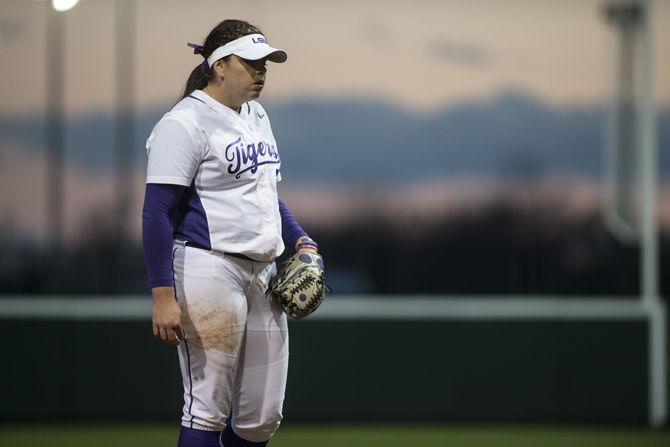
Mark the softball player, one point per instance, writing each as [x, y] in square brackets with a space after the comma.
[212, 227]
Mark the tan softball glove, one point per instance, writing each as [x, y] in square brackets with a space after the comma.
[299, 288]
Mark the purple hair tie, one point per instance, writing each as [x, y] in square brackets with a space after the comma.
[199, 49]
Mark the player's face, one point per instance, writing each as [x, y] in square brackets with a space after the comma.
[244, 79]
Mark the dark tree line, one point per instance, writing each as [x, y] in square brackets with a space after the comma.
[498, 250]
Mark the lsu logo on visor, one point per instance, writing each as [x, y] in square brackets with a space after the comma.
[259, 40]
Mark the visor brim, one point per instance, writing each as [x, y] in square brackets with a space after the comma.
[262, 51]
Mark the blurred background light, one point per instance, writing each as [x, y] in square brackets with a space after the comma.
[63, 5]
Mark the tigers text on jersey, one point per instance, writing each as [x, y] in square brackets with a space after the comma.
[230, 166]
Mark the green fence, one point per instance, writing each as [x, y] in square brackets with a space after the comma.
[413, 368]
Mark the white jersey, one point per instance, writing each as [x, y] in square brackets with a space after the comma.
[230, 165]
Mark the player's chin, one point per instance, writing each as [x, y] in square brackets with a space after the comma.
[255, 90]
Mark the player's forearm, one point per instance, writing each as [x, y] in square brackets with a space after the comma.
[292, 233]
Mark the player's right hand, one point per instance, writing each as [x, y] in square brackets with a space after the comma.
[166, 316]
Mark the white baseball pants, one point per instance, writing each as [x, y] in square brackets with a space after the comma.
[234, 358]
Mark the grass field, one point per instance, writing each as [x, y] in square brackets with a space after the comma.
[348, 436]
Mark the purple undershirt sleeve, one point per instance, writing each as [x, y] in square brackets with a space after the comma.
[160, 201]
[290, 230]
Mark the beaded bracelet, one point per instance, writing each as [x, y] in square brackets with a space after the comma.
[306, 242]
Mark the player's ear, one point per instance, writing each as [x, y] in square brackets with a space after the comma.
[218, 68]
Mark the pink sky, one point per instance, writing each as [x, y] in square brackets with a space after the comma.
[88, 196]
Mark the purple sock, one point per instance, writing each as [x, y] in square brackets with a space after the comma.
[191, 437]
[230, 439]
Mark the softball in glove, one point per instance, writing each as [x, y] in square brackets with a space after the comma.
[299, 288]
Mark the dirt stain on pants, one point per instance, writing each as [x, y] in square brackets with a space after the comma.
[214, 329]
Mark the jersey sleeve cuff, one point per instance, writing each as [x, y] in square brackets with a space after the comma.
[161, 282]
[169, 180]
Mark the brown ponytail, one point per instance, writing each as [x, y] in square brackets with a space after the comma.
[224, 32]
[197, 80]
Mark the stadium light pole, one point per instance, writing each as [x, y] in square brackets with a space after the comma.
[621, 176]
[55, 81]
[125, 112]
[632, 182]
[649, 265]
